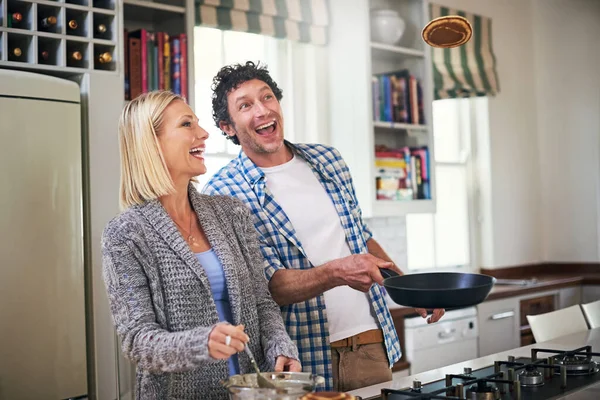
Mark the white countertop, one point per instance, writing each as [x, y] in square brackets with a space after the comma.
[570, 342]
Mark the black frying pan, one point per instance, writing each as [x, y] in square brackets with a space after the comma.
[448, 290]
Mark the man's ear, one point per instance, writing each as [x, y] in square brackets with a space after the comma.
[227, 128]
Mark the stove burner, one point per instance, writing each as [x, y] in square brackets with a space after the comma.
[531, 376]
[483, 391]
[576, 365]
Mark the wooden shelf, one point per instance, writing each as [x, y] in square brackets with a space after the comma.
[400, 126]
[155, 6]
[396, 208]
[386, 50]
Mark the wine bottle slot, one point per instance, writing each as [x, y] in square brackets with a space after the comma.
[17, 17]
[104, 58]
[76, 56]
[49, 21]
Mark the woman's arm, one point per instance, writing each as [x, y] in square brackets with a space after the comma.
[275, 339]
[144, 341]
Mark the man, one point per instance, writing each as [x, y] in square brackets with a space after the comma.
[320, 258]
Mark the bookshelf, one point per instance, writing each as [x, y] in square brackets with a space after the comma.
[359, 124]
[168, 27]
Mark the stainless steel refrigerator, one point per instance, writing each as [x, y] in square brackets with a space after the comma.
[42, 311]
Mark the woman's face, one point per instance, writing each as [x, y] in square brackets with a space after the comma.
[182, 142]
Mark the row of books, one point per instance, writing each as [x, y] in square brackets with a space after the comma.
[402, 174]
[397, 97]
[155, 61]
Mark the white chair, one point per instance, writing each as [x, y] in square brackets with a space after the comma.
[592, 313]
[557, 323]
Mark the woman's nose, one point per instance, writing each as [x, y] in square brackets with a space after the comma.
[202, 134]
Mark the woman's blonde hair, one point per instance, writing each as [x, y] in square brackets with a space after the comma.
[144, 173]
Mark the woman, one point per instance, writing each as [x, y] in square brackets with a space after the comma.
[183, 270]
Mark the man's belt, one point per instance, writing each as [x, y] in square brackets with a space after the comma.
[366, 337]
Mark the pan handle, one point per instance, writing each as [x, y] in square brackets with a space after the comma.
[388, 273]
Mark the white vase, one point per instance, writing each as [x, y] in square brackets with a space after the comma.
[386, 26]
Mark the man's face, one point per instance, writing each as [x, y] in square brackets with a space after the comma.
[256, 120]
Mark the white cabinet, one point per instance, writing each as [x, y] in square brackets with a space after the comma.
[569, 296]
[590, 293]
[498, 326]
[355, 131]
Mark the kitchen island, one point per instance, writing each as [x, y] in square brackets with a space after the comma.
[566, 343]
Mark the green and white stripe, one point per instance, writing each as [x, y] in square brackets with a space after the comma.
[299, 20]
[468, 70]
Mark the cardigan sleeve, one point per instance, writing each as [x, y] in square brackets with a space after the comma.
[144, 341]
[275, 339]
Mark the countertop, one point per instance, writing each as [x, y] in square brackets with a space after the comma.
[570, 342]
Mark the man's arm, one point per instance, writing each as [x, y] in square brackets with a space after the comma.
[359, 271]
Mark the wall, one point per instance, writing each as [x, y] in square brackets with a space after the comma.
[568, 100]
[529, 213]
[512, 224]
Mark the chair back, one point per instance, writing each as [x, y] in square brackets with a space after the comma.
[557, 323]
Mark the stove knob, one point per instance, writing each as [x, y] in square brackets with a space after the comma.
[467, 371]
[417, 386]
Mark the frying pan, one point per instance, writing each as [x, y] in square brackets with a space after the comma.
[448, 290]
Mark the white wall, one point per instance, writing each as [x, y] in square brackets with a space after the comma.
[541, 199]
[567, 63]
[511, 225]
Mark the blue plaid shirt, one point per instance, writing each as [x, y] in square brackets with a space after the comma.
[306, 322]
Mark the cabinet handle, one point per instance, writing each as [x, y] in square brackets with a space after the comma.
[447, 333]
[502, 315]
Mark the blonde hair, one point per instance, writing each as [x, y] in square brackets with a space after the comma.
[144, 173]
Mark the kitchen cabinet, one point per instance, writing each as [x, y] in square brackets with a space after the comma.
[590, 293]
[498, 325]
[540, 304]
[569, 296]
[356, 64]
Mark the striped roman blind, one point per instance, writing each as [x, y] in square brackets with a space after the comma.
[299, 20]
[468, 70]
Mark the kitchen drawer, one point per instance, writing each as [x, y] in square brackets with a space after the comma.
[536, 305]
[498, 326]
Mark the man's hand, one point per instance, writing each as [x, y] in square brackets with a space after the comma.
[287, 364]
[438, 313]
[360, 271]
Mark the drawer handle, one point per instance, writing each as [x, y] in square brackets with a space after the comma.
[448, 333]
[502, 315]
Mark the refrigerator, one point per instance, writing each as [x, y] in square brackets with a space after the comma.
[42, 296]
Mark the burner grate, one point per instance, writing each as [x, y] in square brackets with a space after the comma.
[509, 379]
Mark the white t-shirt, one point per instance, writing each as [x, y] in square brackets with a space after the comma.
[309, 208]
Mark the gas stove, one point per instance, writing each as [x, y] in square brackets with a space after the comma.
[547, 374]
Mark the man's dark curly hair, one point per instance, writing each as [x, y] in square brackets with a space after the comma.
[230, 78]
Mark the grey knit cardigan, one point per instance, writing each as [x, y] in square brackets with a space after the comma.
[161, 301]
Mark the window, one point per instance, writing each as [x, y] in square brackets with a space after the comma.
[297, 68]
[446, 239]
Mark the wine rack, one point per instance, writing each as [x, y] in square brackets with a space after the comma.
[59, 35]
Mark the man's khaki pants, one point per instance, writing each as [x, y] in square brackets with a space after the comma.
[359, 366]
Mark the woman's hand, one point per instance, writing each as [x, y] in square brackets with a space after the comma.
[287, 364]
[225, 340]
